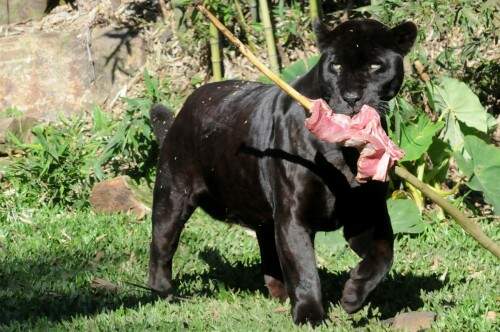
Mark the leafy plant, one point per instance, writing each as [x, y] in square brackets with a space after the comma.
[132, 148]
[482, 167]
[294, 70]
[56, 168]
[416, 137]
[65, 159]
[405, 216]
[456, 104]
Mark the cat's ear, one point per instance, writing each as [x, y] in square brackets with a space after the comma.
[404, 36]
[323, 34]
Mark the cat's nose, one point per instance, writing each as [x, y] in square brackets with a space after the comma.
[351, 97]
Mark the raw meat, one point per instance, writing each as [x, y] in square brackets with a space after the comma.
[363, 131]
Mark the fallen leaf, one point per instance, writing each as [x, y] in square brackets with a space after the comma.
[491, 315]
[280, 310]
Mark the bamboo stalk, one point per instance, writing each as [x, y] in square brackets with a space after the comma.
[215, 52]
[254, 11]
[269, 34]
[240, 17]
[466, 223]
[304, 101]
[314, 10]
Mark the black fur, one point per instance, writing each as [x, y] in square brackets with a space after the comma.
[161, 120]
[240, 151]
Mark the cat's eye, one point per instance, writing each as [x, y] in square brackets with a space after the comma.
[375, 67]
[335, 67]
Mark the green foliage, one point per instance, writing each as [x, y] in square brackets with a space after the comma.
[417, 137]
[294, 70]
[132, 149]
[291, 23]
[455, 102]
[65, 159]
[57, 167]
[329, 243]
[10, 112]
[405, 216]
[482, 167]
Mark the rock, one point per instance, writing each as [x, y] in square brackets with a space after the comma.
[119, 195]
[19, 126]
[15, 11]
[48, 74]
[413, 321]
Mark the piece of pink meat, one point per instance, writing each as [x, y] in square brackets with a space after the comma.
[363, 131]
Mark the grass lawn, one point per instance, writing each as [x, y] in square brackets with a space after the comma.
[49, 258]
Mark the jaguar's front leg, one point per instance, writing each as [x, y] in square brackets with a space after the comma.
[375, 247]
[298, 263]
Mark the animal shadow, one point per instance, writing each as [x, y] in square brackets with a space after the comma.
[396, 293]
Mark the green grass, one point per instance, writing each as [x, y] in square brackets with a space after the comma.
[48, 259]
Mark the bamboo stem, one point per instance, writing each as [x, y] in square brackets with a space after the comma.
[304, 101]
[314, 10]
[254, 11]
[467, 224]
[240, 17]
[269, 34]
[215, 52]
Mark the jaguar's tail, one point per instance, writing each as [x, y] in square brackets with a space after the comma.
[161, 120]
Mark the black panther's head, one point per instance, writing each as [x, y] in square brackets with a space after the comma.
[362, 62]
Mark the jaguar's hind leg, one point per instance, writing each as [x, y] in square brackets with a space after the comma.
[273, 276]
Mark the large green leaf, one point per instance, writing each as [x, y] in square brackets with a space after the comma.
[452, 133]
[483, 169]
[417, 137]
[455, 101]
[405, 216]
[439, 154]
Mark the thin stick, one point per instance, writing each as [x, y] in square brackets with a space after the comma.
[314, 9]
[466, 223]
[304, 101]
